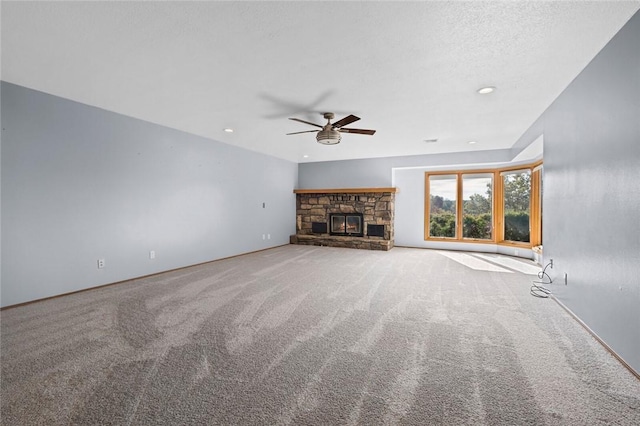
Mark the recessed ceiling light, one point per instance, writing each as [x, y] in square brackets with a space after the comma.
[228, 130]
[486, 90]
[430, 140]
[305, 156]
[472, 142]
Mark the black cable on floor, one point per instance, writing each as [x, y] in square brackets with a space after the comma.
[538, 288]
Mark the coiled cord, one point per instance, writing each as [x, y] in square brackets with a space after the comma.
[538, 288]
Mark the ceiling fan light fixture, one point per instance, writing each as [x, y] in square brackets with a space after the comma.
[330, 134]
[486, 90]
[328, 137]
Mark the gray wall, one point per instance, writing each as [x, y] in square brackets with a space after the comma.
[377, 172]
[1, 133]
[80, 183]
[592, 193]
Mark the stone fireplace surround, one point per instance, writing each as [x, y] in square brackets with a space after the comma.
[315, 205]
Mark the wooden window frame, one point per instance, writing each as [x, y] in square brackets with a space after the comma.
[428, 206]
[497, 206]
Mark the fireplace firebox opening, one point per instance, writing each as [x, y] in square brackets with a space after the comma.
[346, 224]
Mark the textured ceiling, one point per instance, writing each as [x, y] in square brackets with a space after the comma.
[408, 69]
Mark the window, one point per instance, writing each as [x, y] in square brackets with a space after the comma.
[442, 206]
[537, 177]
[477, 207]
[517, 205]
[501, 206]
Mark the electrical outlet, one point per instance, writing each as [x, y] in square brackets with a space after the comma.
[268, 236]
[100, 263]
[152, 254]
[551, 263]
[264, 236]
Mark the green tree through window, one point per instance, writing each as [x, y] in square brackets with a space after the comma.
[517, 202]
[476, 207]
[442, 213]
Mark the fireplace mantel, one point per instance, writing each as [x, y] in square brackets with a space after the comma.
[345, 191]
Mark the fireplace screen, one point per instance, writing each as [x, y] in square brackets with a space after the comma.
[346, 224]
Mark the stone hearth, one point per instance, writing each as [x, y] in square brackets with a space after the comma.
[314, 207]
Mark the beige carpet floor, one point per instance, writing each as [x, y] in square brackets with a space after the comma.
[313, 336]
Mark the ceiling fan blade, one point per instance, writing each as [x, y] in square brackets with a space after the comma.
[358, 131]
[306, 131]
[306, 122]
[347, 120]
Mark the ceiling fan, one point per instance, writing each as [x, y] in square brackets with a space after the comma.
[329, 134]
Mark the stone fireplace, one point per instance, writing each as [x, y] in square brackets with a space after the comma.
[355, 218]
